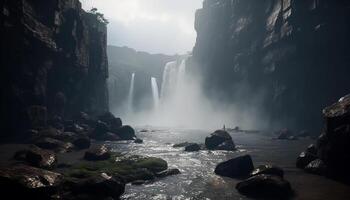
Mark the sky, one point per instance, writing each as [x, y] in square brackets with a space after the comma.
[154, 26]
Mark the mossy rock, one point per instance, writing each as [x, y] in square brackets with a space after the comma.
[130, 168]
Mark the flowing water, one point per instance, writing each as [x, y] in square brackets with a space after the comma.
[130, 99]
[197, 180]
[155, 92]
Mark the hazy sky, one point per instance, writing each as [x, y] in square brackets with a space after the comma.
[155, 26]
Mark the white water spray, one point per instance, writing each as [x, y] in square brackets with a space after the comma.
[130, 99]
[155, 92]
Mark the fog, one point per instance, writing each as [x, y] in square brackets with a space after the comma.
[183, 103]
[154, 26]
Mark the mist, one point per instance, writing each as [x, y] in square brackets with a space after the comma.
[179, 100]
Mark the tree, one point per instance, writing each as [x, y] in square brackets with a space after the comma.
[99, 16]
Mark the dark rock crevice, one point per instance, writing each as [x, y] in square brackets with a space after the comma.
[53, 54]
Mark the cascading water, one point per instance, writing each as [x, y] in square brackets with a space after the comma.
[169, 77]
[155, 92]
[131, 93]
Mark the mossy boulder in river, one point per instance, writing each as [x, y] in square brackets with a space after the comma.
[129, 168]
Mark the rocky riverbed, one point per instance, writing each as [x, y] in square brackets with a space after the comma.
[198, 180]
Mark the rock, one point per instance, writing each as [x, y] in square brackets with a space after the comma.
[138, 141]
[100, 187]
[141, 174]
[55, 134]
[25, 182]
[99, 152]
[237, 167]
[107, 117]
[84, 117]
[106, 137]
[101, 128]
[55, 145]
[304, 159]
[316, 167]
[284, 134]
[226, 146]
[192, 147]
[116, 123]
[49, 132]
[312, 149]
[82, 143]
[267, 169]
[217, 138]
[184, 144]
[333, 145]
[37, 157]
[75, 128]
[168, 172]
[265, 186]
[126, 133]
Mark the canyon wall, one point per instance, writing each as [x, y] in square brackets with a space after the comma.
[293, 54]
[53, 62]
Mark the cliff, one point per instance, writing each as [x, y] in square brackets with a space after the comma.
[294, 53]
[53, 60]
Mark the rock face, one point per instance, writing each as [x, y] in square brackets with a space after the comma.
[220, 140]
[275, 48]
[239, 167]
[330, 156]
[333, 144]
[54, 60]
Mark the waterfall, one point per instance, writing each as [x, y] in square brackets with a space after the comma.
[173, 80]
[168, 79]
[131, 93]
[155, 92]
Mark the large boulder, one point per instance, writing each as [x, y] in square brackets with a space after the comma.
[219, 140]
[333, 145]
[316, 167]
[265, 186]
[126, 133]
[304, 159]
[192, 147]
[38, 157]
[99, 186]
[98, 152]
[55, 145]
[25, 182]
[113, 122]
[101, 128]
[239, 167]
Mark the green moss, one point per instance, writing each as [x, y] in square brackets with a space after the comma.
[129, 168]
